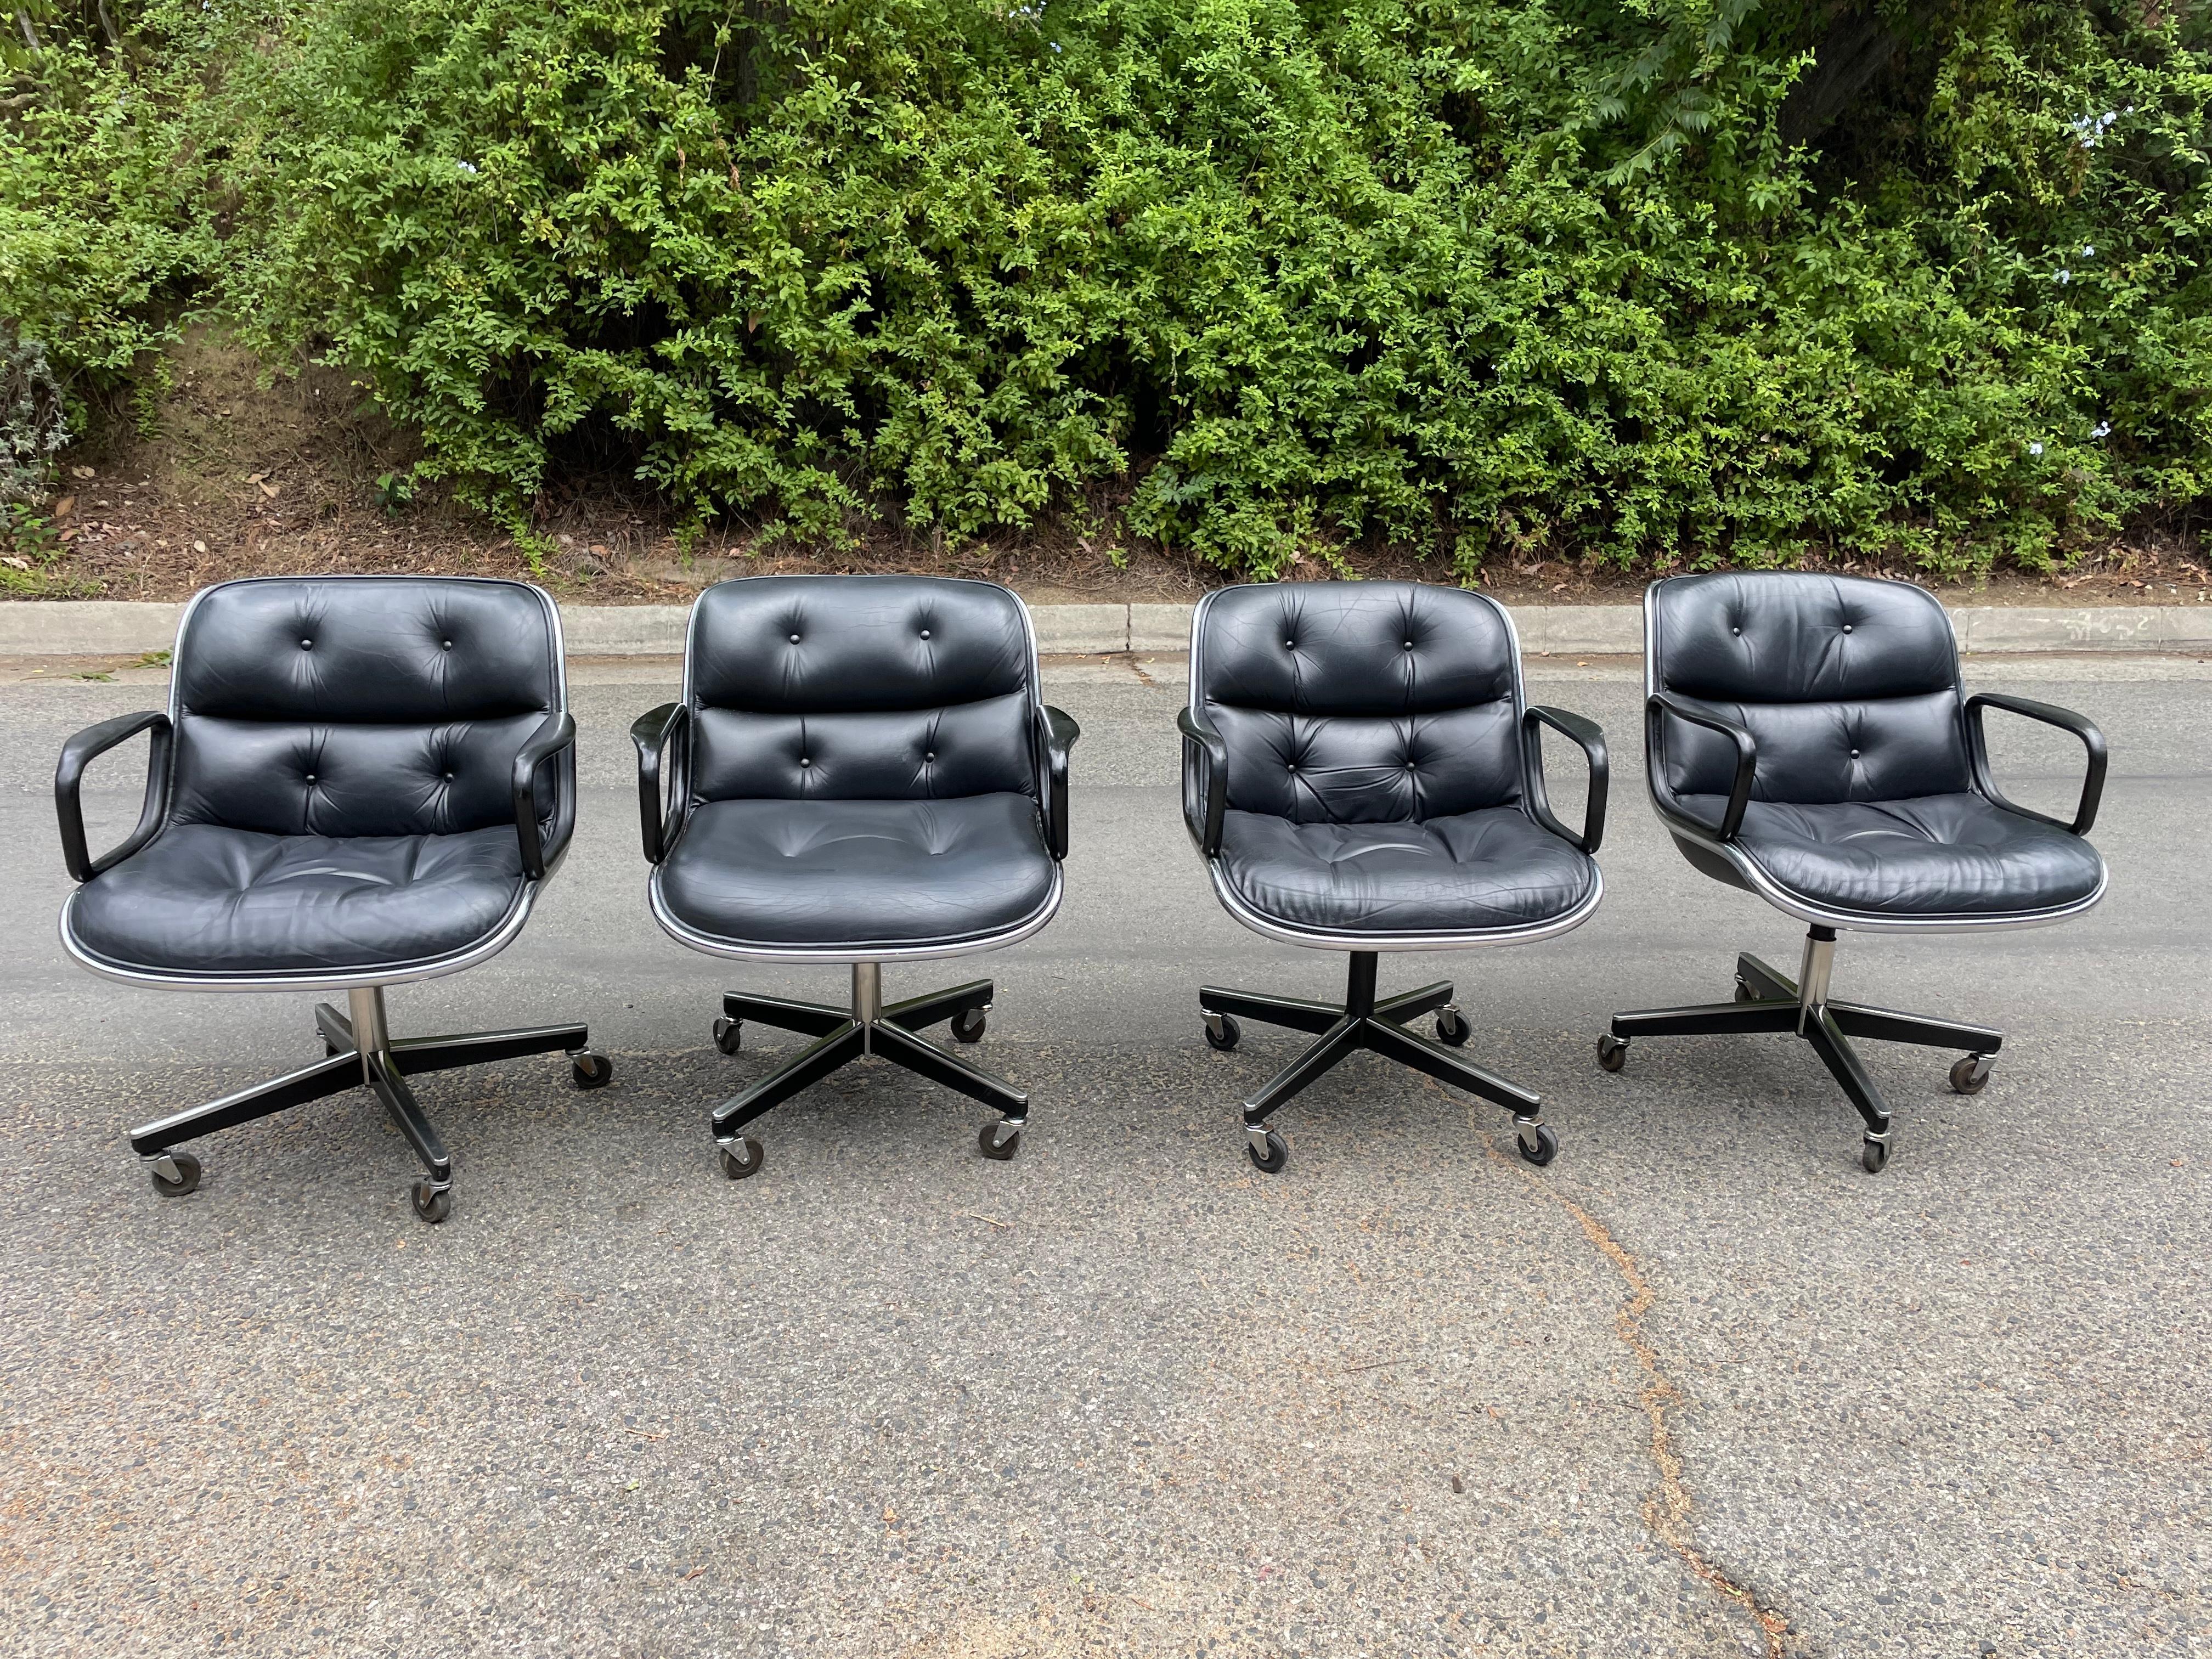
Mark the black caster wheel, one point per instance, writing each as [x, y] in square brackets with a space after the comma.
[187, 1178]
[1452, 1028]
[1874, 1155]
[1227, 1037]
[968, 1027]
[742, 1157]
[729, 1035]
[1744, 992]
[994, 1147]
[590, 1070]
[433, 1204]
[1541, 1149]
[1276, 1155]
[1970, 1076]
[1612, 1052]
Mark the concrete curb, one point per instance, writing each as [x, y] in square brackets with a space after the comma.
[94, 628]
[86, 628]
[624, 630]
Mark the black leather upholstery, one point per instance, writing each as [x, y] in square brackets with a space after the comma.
[359, 706]
[1931, 855]
[1471, 872]
[341, 792]
[1361, 702]
[204, 899]
[1863, 801]
[864, 767]
[1849, 686]
[840, 688]
[862, 873]
[1375, 758]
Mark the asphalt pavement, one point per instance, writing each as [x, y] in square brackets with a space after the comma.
[1701, 1387]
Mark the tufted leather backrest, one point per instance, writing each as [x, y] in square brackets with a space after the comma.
[1849, 684]
[1360, 702]
[361, 705]
[859, 688]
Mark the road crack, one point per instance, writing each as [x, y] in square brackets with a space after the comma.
[1666, 1511]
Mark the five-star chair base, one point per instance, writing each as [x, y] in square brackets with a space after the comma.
[1771, 1002]
[361, 1053]
[842, 1036]
[1378, 1028]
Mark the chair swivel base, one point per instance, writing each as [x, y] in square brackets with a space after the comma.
[1770, 1001]
[842, 1036]
[1378, 1028]
[360, 1054]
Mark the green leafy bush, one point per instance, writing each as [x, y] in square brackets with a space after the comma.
[113, 200]
[1652, 280]
[33, 426]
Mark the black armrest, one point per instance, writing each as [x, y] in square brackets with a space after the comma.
[1586, 732]
[1058, 732]
[1202, 815]
[1656, 709]
[2093, 740]
[78, 753]
[651, 732]
[556, 733]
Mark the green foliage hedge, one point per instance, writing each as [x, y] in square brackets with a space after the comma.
[1576, 276]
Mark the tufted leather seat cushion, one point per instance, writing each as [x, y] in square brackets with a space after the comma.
[1471, 872]
[341, 792]
[863, 769]
[859, 873]
[1863, 802]
[203, 899]
[1932, 855]
[1373, 731]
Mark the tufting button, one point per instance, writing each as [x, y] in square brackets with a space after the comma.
[1735, 630]
[449, 777]
[925, 633]
[447, 644]
[794, 638]
[311, 777]
[932, 755]
[1293, 766]
[1409, 645]
[1847, 628]
[1409, 765]
[306, 645]
[803, 761]
[1290, 645]
[1854, 754]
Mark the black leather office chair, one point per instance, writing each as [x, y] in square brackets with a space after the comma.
[1361, 773]
[1807, 740]
[360, 781]
[861, 770]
